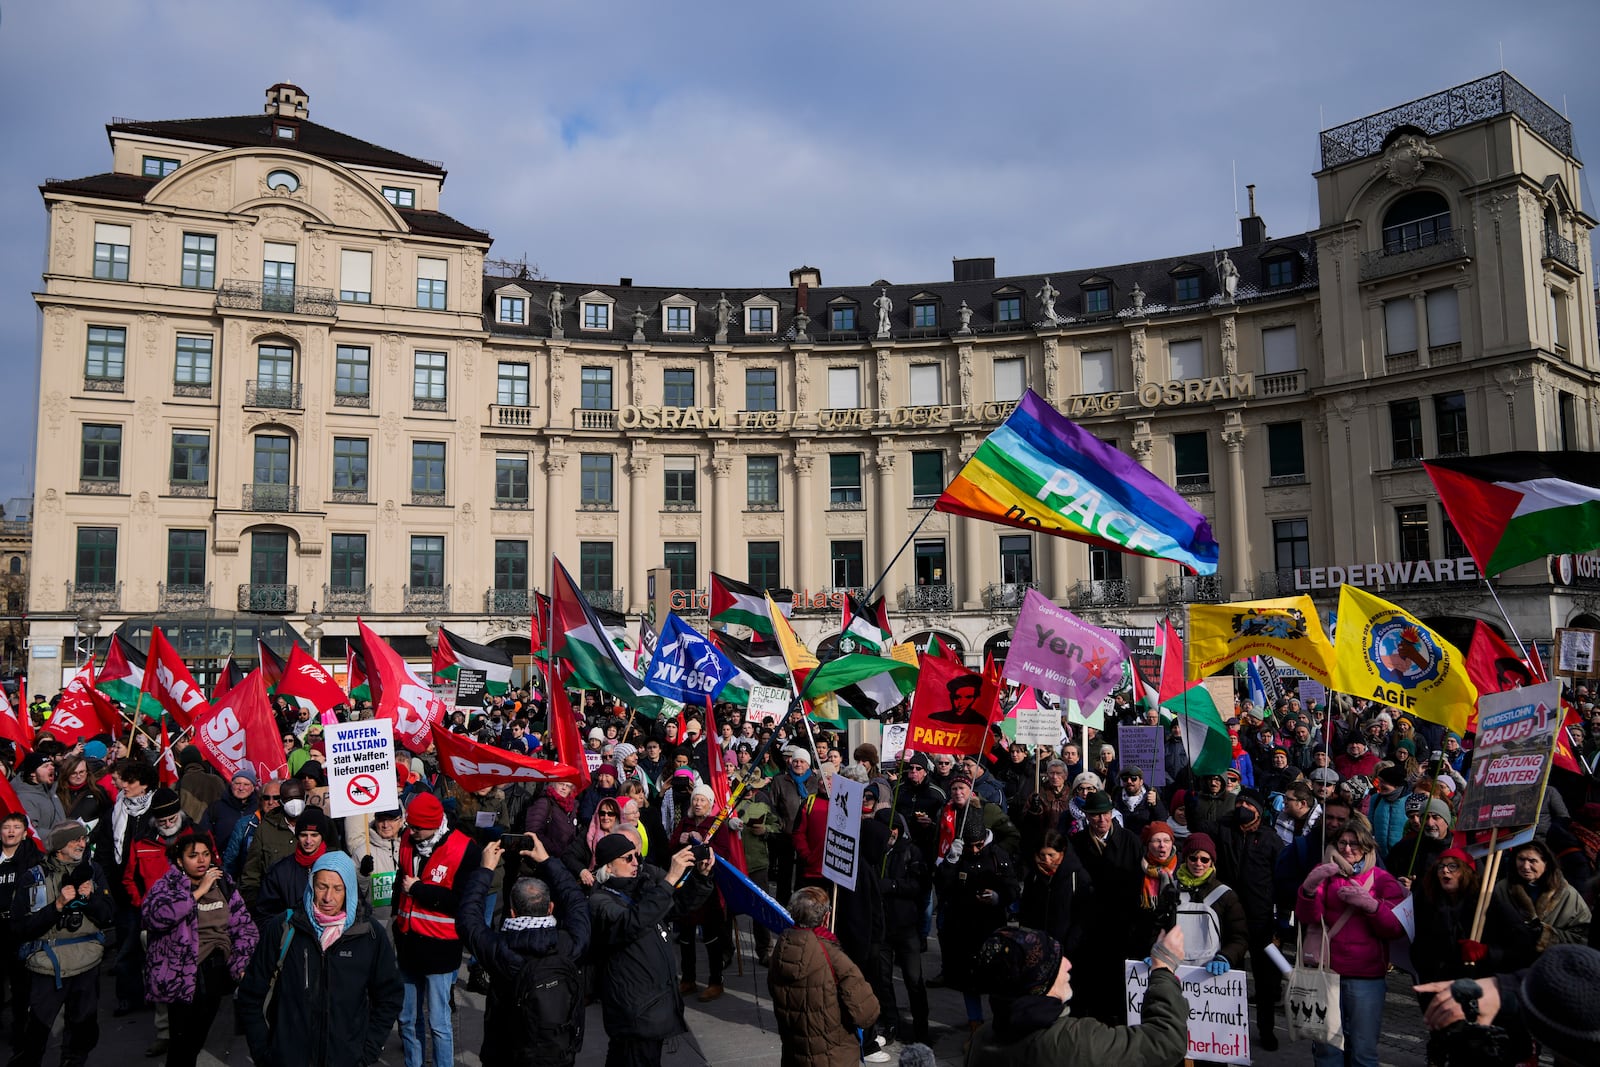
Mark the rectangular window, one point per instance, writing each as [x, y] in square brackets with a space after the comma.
[677, 387]
[761, 569]
[1280, 272]
[1096, 301]
[844, 480]
[925, 385]
[1399, 326]
[511, 566]
[1016, 559]
[102, 453]
[844, 387]
[427, 563]
[355, 276]
[347, 561]
[191, 457]
[352, 371]
[514, 309]
[199, 261]
[192, 362]
[849, 565]
[758, 320]
[594, 391]
[1099, 372]
[1454, 546]
[761, 389]
[924, 316]
[680, 319]
[158, 167]
[111, 244]
[842, 318]
[1286, 451]
[97, 556]
[1186, 290]
[1444, 317]
[1567, 418]
[679, 486]
[1450, 423]
[186, 557]
[929, 563]
[511, 481]
[1008, 309]
[427, 467]
[1560, 332]
[277, 276]
[350, 464]
[432, 276]
[595, 480]
[596, 316]
[1009, 380]
[1191, 459]
[1291, 547]
[400, 196]
[272, 461]
[274, 373]
[1104, 566]
[103, 360]
[1405, 431]
[927, 476]
[428, 376]
[761, 481]
[1412, 529]
[679, 559]
[1280, 350]
[511, 386]
[1186, 359]
[596, 567]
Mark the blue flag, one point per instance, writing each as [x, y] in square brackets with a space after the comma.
[744, 897]
[1257, 687]
[685, 666]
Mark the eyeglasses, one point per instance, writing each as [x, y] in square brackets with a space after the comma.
[1131, 777]
[1348, 846]
[273, 797]
[1450, 867]
[1200, 859]
[632, 857]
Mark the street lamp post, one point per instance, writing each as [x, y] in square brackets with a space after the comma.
[314, 632]
[432, 626]
[88, 625]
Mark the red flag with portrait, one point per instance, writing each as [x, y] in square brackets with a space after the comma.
[947, 713]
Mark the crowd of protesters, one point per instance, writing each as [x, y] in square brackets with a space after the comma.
[1019, 865]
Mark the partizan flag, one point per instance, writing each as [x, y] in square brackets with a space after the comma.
[122, 675]
[1385, 653]
[454, 652]
[1514, 507]
[581, 639]
[1286, 628]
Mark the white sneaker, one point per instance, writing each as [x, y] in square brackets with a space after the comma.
[878, 1057]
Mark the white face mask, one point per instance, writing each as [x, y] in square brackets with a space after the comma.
[293, 808]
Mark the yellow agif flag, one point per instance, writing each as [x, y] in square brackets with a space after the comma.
[799, 658]
[1286, 629]
[1385, 653]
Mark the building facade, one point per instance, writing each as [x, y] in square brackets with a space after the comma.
[275, 376]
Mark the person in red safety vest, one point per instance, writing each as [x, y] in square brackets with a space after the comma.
[433, 859]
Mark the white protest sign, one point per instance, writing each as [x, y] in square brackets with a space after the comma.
[361, 767]
[1037, 724]
[841, 848]
[1219, 1017]
[1141, 747]
[894, 741]
[593, 760]
[768, 702]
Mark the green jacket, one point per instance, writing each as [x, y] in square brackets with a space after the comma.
[1159, 1041]
[756, 815]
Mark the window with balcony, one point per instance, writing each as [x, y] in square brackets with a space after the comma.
[158, 167]
[848, 564]
[1405, 431]
[595, 481]
[1417, 220]
[761, 389]
[677, 387]
[1412, 532]
[927, 477]
[1016, 559]
[929, 564]
[274, 377]
[101, 459]
[191, 367]
[1280, 350]
[104, 358]
[679, 557]
[510, 566]
[596, 567]
[191, 461]
[1099, 371]
[272, 457]
[96, 559]
[1104, 566]
[269, 571]
[1399, 327]
[678, 490]
[1444, 317]
[926, 385]
[428, 381]
[514, 310]
[350, 468]
[1186, 359]
[432, 282]
[355, 276]
[761, 568]
[427, 563]
[1450, 423]
[277, 276]
[347, 562]
[511, 385]
[1286, 453]
[844, 388]
[1010, 379]
[1291, 549]
[186, 558]
[761, 482]
[352, 375]
[594, 390]
[1191, 462]
[510, 481]
[111, 247]
[844, 481]
[199, 269]
[427, 472]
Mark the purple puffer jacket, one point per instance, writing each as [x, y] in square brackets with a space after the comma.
[173, 955]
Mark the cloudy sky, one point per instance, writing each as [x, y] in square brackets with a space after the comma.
[721, 143]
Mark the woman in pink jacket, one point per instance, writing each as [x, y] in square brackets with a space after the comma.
[1354, 900]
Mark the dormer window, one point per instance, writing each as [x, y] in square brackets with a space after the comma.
[284, 132]
[1008, 306]
[924, 312]
[758, 320]
[1280, 270]
[596, 310]
[1185, 288]
[1096, 299]
[514, 310]
[400, 196]
[842, 316]
[159, 166]
[677, 315]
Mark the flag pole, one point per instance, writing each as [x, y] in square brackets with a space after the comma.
[1509, 625]
[900, 552]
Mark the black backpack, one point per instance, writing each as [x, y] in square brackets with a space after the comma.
[548, 1003]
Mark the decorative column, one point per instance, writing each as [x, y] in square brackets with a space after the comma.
[1233, 435]
[805, 523]
[1143, 449]
[556, 508]
[968, 594]
[722, 506]
[889, 530]
[638, 463]
[1419, 304]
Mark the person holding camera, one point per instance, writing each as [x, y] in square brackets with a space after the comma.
[1555, 1002]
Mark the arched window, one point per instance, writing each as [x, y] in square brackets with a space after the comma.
[1416, 220]
[15, 565]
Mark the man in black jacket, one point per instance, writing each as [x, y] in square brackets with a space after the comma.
[536, 926]
[905, 879]
[1115, 862]
[1247, 855]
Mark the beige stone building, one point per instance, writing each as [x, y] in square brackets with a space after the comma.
[275, 375]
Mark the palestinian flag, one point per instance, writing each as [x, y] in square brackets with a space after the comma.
[865, 626]
[454, 652]
[122, 675]
[1515, 507]
[739, 604]
[272, 665]
[355, 673]
[615, 624]
[580, 638]
[758, 663]
[1205, 736]
[229, 678]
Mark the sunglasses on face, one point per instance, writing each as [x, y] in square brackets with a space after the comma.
[1200, 860]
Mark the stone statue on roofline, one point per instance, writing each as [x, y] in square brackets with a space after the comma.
[884, 306]
[1047, 301]
[1228, 274]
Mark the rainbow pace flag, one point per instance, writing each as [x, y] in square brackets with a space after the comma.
[1041, 471]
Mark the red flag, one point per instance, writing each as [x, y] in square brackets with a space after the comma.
[473, 766]
[229, 676]
[306, 679]
[272, 665]
[564, 732]
[10, 803]
[12, 726]
[240, 728]
[1568, 740]
[167, 768]
[1494, 667]
[946, 712]
[169, 681]
[1172, 669]
[541, 620]
[398, 693]
[78, 716]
